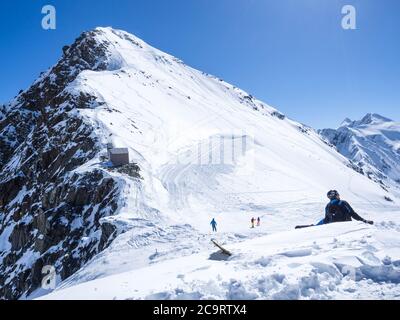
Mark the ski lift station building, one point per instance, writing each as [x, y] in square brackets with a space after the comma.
[119, 156]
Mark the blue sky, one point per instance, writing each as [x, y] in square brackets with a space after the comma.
[292, 54]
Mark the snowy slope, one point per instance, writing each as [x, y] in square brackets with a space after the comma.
[162, 110]
[339, 261]
[373, 143]
[206, 149]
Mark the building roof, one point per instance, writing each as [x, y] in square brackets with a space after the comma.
[119, 151]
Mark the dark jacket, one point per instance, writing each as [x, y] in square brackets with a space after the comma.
[339, 210]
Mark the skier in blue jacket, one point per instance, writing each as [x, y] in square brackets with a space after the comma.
[213, 225]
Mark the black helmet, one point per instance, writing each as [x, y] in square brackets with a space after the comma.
[332, 194]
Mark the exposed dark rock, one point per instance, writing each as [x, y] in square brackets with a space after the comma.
[50, 215]
[131, 169]
[388, 199]
[19, 236]
[356, 168]
[108, 233]
[278, 115]
[304, 129]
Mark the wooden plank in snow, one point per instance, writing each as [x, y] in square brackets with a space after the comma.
[221, 248]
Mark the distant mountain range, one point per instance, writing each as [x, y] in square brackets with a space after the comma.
[372, 143]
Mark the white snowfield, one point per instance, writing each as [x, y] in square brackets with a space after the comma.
[340, 261]
[207, 149]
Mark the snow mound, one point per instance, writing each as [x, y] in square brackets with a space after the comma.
[324, 263]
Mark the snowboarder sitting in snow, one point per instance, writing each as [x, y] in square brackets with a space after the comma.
[339, 210]
[214, 225]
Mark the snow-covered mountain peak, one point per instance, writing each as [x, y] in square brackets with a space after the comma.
[125, 50]
[373, 143]
[373, 118]
[119, 48]
[367, 120]
[346, 122]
